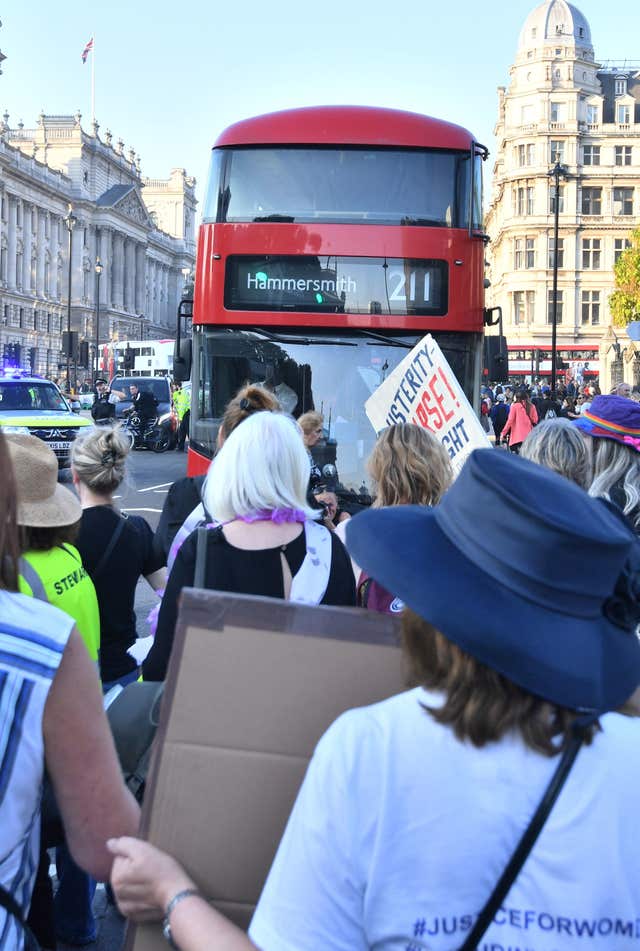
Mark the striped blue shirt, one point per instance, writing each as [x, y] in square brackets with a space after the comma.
[33, 636]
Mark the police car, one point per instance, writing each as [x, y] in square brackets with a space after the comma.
[31, 404]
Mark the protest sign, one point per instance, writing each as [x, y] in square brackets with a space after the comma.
[252, 685]
[424, 390]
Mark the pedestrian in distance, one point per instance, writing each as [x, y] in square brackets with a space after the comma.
[266, 540]
[611, 427]
[182, 405]
[499, 414]
[104, 405]
[547, 406]
[521, 685]
[521, 420]
[117, 550]
[55, 717]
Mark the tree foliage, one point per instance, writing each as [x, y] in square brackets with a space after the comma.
[625, 300]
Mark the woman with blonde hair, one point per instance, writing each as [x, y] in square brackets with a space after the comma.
[409, 467]
[265, 540]
[557, 445]
[116, 549]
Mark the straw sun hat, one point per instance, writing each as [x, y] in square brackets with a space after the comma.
[42, 502]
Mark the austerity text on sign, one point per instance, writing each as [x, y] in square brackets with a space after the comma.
[424, 390]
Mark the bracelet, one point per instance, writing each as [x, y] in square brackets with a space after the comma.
[166, 924]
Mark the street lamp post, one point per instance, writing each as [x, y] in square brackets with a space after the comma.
[557, 172]
[70, 222]
[98, 269]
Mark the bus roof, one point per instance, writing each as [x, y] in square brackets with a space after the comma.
[346, 125]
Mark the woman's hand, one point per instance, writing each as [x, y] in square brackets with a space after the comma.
[144, 879]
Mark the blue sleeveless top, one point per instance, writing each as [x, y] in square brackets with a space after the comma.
[33, 636]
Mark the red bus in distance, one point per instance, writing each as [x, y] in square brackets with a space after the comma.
[332, 240]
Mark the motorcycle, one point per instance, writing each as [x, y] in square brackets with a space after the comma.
[145, 434]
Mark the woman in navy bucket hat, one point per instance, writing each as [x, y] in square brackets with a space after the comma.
[412, 808]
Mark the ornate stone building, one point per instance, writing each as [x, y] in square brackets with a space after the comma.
[562, 106]
[145, 248]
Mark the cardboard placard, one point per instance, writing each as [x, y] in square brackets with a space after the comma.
[424, 390]
[252, 685]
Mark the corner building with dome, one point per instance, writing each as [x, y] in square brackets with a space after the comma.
[561, 106]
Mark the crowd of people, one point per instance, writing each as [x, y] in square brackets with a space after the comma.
[518, 586]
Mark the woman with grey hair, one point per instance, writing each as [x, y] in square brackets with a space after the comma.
[611, 426]
[557, 445]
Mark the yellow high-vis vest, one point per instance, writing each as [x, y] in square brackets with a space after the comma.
[58, 576]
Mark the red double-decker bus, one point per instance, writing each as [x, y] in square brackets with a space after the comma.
[333, 239]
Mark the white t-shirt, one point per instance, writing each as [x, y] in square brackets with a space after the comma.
[400, 833]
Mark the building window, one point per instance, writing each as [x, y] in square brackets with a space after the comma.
[592, 114]
[591, 307]
[556, 152]
[3, 264]
[591, 253]
[558, 111]
[530, 252]
[518, 256]
[520, 205]
[560, 253]
[19, 214]
[620, 245]
[531, 154]
[530, 305]
[623, 114]
[591, 155]
[21, 317]
[518, 307]
[47, 273]
[530, 200]
[623, 155]
[521, 155]
[552, 200]
[623, 201]
[19, 265]
[591, 201]
[550, 307]
[621, 85]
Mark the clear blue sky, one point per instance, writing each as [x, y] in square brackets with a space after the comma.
[170, 77]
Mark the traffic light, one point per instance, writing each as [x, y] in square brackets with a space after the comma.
[83, 359]
[496, 359]
[70, 344]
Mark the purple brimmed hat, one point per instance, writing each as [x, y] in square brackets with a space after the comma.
[612, 417]
[482, 567]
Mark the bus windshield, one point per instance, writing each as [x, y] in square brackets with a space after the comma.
[333, 373]
[391, 186]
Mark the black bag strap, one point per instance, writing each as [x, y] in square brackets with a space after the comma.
[529, 836]
[117, 532]
[8, 902]
[201, 557]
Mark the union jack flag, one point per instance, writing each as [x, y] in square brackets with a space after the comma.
[87, 50]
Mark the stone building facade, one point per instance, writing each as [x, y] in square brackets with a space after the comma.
[562, 106]
[145, 248]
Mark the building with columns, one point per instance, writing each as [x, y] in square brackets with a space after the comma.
[562, 106]
[145, 248]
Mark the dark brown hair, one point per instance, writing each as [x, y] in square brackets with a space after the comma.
[480, 704]
[9, 547]
[247, 401]
[34, 538]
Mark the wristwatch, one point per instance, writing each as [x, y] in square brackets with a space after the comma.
[166, 923]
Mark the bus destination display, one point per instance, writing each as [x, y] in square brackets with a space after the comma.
[335, 284]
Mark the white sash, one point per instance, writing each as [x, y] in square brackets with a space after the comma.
[310, 582]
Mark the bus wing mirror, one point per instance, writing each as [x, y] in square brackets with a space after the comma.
[182, 362]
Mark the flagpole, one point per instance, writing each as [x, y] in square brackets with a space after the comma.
[93, 83]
